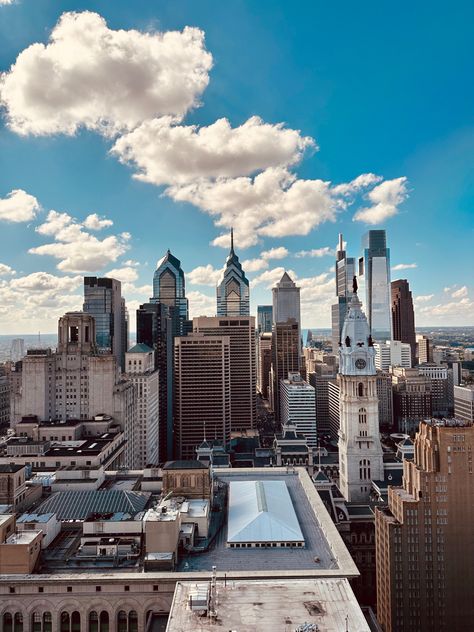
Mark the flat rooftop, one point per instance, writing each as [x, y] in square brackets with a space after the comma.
[323, 553]
[271, 606]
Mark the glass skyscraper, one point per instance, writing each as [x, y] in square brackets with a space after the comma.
[264, 318]
[103, 300]
[345, 271]
[233, 298]
[374, 275]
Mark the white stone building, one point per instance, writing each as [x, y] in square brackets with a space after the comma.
[392, 353]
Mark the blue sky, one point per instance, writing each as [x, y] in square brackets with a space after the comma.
[340, 91]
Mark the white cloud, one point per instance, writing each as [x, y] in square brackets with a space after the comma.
[385, 198]
[204, 275]
[94, 222]
[201, 304]
[270, 277]
[461, 293]
[127, 274]
[451, 313]
[317, 296]
[363, 181]
[261, 263]
[103, 79]
[405, 266]
[178, 154]
[317, 252]
[6, 2]
[78, 250]
[279, 252]
[6, 270]
[253, 265]
[18, 206]
[272, 204]
[424, 298]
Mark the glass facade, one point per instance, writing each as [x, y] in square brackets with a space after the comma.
[264, 318]
[374, 271]
[233, 296]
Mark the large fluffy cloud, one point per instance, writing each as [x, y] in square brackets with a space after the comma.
[18, 206]
[76, 249]
[105, 80]
[385, 198]
[6, 270]
[176, 154]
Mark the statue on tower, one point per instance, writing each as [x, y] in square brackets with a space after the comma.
[354, 284]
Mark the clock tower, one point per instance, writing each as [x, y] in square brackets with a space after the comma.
[360, 451]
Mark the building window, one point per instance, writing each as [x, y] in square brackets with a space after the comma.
[12, 589]
[69, 589]
[362, 416]
[98, 588]
[40, 589]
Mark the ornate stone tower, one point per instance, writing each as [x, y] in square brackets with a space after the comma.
[360, 451]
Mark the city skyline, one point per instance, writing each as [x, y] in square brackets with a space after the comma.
[100, 201]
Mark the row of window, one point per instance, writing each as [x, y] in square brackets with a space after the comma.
[71, 622]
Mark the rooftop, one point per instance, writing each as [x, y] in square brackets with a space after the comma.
[185, 465]
[140, 348]
[78, 505]
[10, 468]
[270, 606]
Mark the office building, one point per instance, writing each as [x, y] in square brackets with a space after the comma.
[385, 397]
[442, 390]
[424, 348]
[264, 319]
[286, 302]
[374, 279]
[412, 401]
[4, 401]
[334, 409]
[140, 370]
[345, 272]
[298, 406]
[360, 451]
[464, 402]
[392, 353]
[169, 289]
[424, 543]
[264, 362]
[285, 356]
[403, 315]
[243, 372]
[17, 349]
[203, 381]
[319, 379]
[103, 300]
[233, 296]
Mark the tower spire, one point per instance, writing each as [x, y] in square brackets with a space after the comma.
[231, 239]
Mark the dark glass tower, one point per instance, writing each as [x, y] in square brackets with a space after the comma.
[169, 289]
[345, 271]
[103, 300]
[233, 298]
[403, 315]
[264, 318]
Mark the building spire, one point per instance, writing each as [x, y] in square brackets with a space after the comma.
[341, 243]
[232, 239]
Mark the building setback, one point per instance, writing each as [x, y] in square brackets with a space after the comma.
[243, 374]
[202, 391]
[424, 543]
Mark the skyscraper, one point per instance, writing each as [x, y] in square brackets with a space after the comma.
[170, 290]
[17, 349]
[202, 391]
[403, 315]
[286, 301]
[264, 319]
[424, 543]
[345, 271]
[374, 276]
[286, 356]
[360, 451]
[298, 406]
[103, 300]
[232, 291]
[264, 362]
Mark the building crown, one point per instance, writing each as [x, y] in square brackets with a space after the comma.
[356, 351]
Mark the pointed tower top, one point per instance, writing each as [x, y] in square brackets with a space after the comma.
[340, 247]
[231, 239]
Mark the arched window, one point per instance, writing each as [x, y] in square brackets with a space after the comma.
[47, 622]
[122, 621]
[362, 416]
[360, 390]
[7, 622]
[36, 622]
[93, 621]
[132, 621]
[18, 622]
[76, 621]
[65, 622]
[104, 621]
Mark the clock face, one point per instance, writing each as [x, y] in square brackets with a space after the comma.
[360, 363]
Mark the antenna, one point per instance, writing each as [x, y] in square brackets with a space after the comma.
[232, 239]
[341, 243]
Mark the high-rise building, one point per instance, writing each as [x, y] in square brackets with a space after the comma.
[233, 297]
[169, 289]
[286, 302]
[424, 543]
[103, 300]
[385, 397]
[464, 402]
[360, 451]
[412, 400]
[17, 349]
[4, 401]
[442, 391]
[286, 356]
[77, 382]
[243, 373]
[264, 362]
[392, 353]
[334, 409]
[345, 272]
[202, 391]
[319, 379]
[403, 315]
[155, 329]
[298, 407]
[374, 277]
[424, 349]
[264, 318]
[140, 370]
